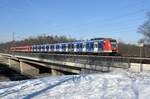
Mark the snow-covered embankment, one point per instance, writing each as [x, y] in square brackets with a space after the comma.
[94, 86]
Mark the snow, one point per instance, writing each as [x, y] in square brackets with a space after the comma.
[115, 85]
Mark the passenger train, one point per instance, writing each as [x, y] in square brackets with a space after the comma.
[97, 45]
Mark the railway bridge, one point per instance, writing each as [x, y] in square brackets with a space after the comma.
[32, 64]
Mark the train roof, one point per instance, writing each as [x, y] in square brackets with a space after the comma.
[101, 39]
[97, 39]
[80, 41]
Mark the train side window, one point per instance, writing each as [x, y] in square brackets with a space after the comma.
[47, 47]
[81, 45]
[72, 46]
[57, 46]
[35, 47]
[87, 45]
[52, 46]
[43, 47]
[69, 46]
[39, 47]
[63, 46]
[100, 45]
[91, 45]
[77, 46]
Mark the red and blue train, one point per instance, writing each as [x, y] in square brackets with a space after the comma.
[97, 45]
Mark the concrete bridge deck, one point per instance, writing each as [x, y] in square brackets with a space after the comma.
[58, 64]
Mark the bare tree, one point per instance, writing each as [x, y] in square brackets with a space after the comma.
[144, 29]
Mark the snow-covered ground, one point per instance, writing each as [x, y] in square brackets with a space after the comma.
[116, 85]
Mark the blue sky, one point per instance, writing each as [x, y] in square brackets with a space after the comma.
[82, 19]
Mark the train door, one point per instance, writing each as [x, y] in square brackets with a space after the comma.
[41, 48]
[30, 49]
[96, 46]
[89, 46]
[63, 47]
[33, 48]
[100, 46]
[38, 48]
[75, 47]
[44, 48]
[79, 47]
[70, 47]
[47, 48]
[57, 48]
[84, 47]
[66, 47]
[52, 47]
[60, 47]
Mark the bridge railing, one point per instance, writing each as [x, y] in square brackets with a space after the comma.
[91, 60]
[107, 61]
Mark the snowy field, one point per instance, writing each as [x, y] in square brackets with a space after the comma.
[114, 85]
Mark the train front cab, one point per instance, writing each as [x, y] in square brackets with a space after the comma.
[110, 45]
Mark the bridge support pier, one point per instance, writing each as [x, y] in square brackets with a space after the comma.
[14, 64]
[137, 67]
[27, 69]
[4, 60]
[56, 72]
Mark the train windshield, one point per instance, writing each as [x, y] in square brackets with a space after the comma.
[113, 43]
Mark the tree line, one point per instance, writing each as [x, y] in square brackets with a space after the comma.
[42, 39]
[123, 48]
[133, 50]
